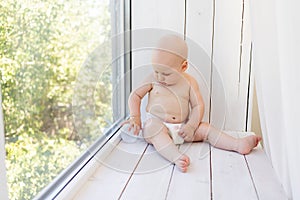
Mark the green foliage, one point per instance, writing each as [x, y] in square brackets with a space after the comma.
[43, 44]
[90, 108]
[35, 162]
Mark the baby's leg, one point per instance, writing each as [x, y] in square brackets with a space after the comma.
[222, 140]
[155, 132]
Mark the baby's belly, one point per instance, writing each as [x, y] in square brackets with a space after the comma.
[169, 109]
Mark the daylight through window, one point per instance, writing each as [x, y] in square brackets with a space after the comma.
[60, 88]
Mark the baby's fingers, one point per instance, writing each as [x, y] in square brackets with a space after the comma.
[125, 122]
[129, 124]
[136, 129]
[181, 132]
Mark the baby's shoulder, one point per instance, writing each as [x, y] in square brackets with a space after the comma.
[190, 79]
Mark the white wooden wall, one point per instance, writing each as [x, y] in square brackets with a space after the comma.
[221, 28]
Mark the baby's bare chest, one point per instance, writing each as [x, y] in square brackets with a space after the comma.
[178, 93]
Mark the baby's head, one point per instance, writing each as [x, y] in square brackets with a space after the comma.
[169, 60]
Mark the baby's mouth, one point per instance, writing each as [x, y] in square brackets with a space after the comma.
[162, 83]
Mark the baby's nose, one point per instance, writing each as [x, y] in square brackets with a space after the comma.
[160, 77]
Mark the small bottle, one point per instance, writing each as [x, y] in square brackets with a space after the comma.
[128, 136]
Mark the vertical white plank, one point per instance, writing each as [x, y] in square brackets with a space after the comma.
[226, 57]
[3, 179]
[114, 172]
[151, 178]
[199, 25]
[219, 101]
[246, 76]
[167, 14]
[226, 167]
[152, 19]
[195, 183]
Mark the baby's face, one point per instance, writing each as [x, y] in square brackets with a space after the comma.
[166, 67]
[166, 75]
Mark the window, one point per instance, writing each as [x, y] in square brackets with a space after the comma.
[64, 84]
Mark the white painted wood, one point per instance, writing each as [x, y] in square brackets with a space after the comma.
[227, 79]
[167, 14]
[199, 25]
[135, 175]
[219, 102]
[253, 117]
[151, 179]
[151, 20]
[226, 57]
[230, 176]
[264, 176]
[246, 75]
[81, 179]
[111, 177]
[3, 179]
[231, 179]
[196, 182]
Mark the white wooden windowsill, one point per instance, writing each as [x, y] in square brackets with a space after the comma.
[136, 171]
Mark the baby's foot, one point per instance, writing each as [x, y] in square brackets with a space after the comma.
[182, 163]
[246, 144]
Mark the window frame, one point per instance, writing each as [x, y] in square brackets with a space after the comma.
[67, 176]
[54, 189]
[3, 174]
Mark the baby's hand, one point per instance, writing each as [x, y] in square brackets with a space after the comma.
[187, 132]
[134, 124]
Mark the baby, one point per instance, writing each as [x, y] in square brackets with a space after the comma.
[174, 98]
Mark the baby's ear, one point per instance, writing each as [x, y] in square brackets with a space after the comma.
[184, 65]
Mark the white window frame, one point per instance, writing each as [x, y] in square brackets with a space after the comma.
[3, 179]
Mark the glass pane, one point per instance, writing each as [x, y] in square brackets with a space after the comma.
[56, 80]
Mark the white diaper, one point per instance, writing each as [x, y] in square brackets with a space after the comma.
[173, 129]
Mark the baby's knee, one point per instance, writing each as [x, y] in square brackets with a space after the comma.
[203, 130]
[152, 127]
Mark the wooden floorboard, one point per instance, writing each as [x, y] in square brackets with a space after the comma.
[264, 176]
[114, 173]
[196, 182]
[230, 176]
[151, 178]
[137, 171]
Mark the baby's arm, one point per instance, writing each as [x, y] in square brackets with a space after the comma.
[197, 105]
[197, 111]
[134, 103]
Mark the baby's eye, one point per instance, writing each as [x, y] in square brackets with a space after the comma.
[165, 74]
